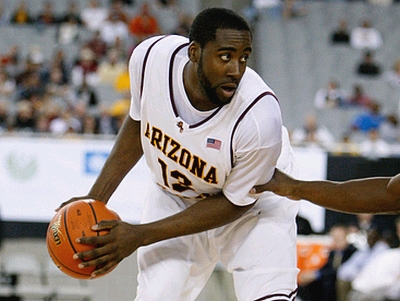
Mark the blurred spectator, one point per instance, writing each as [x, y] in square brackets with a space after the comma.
[87, 96]
[389, 129]
[167, 14]
[7, 86]
[359, 97]
[94, 15]
[320, 285]
[112, 29]
[117, 9]
[358, 229]
[97, 45]
[368, 66]
[365, 36]
[373, 146]
[348, 271]
[379, 279]
[90, 125]
[331, 97]
[106, 122]
[346, 147]
[68, 31]
[312, 133]
[60, 91]
[72, 11]
[59, 61]
[393, 76]
[5, 116]
[22, 14]
[341, 35]
[111, 68]
[65, 123]
[11, 61]
[143, 24]
[293, 9]
[31, 86]
[47, 15]
[85, 69]
[372, 118]
[24, 120]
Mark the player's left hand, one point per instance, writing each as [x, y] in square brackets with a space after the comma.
[121, 241]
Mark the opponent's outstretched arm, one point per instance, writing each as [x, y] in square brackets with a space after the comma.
[367, 195]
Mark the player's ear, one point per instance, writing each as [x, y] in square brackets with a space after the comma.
[194, 51]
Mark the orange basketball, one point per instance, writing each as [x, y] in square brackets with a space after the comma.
[71, 222]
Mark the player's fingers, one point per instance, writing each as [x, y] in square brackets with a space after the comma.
[105, 225]
[63, 204]
[104, 269]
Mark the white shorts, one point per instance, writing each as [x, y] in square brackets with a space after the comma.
[259, 249]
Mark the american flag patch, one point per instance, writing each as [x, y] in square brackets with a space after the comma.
[213, 143]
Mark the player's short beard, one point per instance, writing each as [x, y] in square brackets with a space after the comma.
[210, 91]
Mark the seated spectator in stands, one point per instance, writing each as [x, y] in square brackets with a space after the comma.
[85, 69]
[112, 29]
[389, 129]
[348, 271]
[7, 86]
[312, 133]
[321, 284]
[94, 15]
[11, 60]
[97, 45]
[68, 31]
[24, 119]
[65, 123]
[293, 9]
[183, 26]
[111, 68]
[87, 96]
[31, 86]
[393, 76]
[368, 66]
[373, 146]
[359, 97]
[358, 229]
[60, 61]
[143, 24]
[341, 35]
[5, 116]
[22, 14]
[47, 14]
[117, 8]
[58, 89]
[72, 11]
[331, 97]
[346, 147]
[379, 279]
[365, 36]
[372, 118]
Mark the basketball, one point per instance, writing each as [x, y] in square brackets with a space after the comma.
[71, 222]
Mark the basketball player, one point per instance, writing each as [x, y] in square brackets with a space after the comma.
[210, 129]
[368, 195]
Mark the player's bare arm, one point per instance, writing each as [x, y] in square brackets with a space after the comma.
[125, 238]
[369, 195]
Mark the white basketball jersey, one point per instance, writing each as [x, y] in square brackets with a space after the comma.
[191, 161]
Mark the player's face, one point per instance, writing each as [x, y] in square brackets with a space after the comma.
[222, 64]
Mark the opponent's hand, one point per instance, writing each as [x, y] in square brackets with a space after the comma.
[86, 197]
[122, 240]
[280, 184]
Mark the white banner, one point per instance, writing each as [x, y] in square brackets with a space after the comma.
[38, 174]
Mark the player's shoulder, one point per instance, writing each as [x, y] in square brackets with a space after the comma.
[163, 42]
